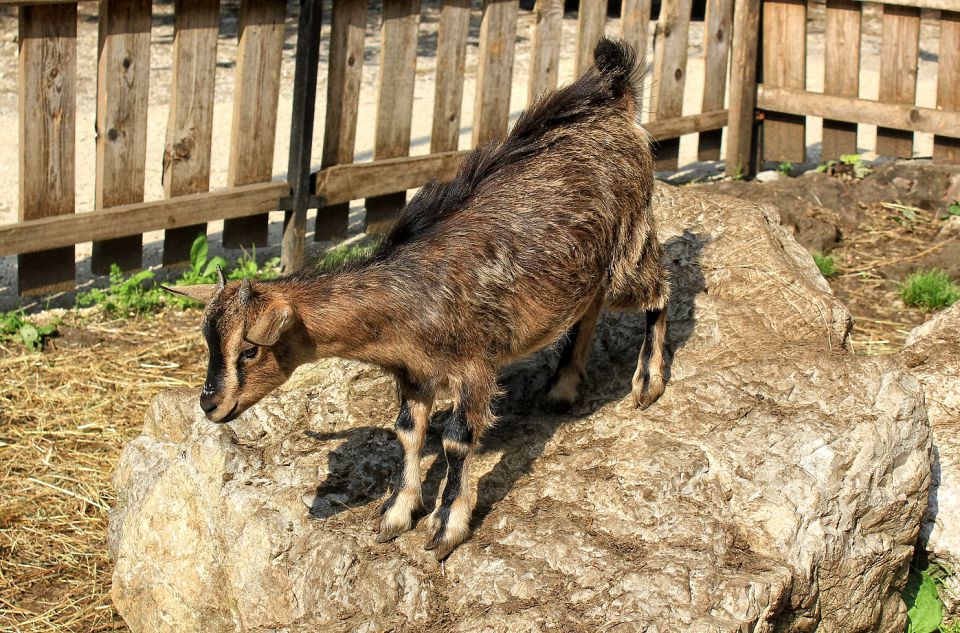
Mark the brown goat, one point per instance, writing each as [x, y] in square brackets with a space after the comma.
[531, 239]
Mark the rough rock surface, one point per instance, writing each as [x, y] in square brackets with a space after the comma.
[778, 485]
[932, 353]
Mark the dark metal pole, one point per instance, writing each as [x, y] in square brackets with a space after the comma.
[301, 135]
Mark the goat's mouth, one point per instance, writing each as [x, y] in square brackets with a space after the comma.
[231, 416]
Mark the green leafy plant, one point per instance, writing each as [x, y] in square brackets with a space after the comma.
[849, 163]
[785, 168]
[14, 326]
[124, 296]
[930, 290]
[952, 209]
[925, 611]
[361, 249]
[826, 264]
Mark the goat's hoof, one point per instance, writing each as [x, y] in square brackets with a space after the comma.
[643, 399]
[396, 516]
[564, 393]
[446, 537]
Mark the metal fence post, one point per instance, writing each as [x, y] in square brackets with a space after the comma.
[301, 136]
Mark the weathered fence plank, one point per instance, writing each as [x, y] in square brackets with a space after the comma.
[635, 24]
[47, 98]
[186, 155]
[344, 73]
[545, 44]
[717, 25]
[398, 67]
[591, 19]
[669, 74]
[123, 88]
[255, 101]
[451, 59]
[498, 33]
[947, 150]
[740, 157]
[784, 65]
[841, 73]
[899, 59]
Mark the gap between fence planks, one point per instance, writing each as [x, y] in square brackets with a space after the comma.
[947, 150]
[123, 89]
[344, 73]
[717, 26]
[841, 74]
[784, 65]
[669, 74]
[47, 101]
[186, 155]
[255, 101]
[899, 59]
[498, 34]
[545, 43]
[398, 66]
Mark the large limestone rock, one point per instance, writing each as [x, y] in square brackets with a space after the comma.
[932, 353]
[778, 485]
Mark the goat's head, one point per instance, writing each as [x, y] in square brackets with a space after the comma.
[250, 332]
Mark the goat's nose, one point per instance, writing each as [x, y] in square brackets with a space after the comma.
[207, 402]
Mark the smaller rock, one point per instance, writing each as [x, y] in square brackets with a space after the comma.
[950, 228]
[768, 176]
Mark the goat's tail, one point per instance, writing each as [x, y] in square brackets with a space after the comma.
[618, 63]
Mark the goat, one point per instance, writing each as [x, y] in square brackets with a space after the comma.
[524, 246]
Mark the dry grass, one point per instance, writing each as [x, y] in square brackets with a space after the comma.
[64, 417]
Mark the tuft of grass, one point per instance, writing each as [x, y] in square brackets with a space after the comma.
[785, 168]
[826, 264]
[930, 290]
[359, 250]
[15, 327]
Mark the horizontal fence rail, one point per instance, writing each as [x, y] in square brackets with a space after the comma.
[48, 229]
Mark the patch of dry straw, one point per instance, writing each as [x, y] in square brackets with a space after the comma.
[65, 414]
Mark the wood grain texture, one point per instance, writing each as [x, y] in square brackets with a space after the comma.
[740, 159]
[47, 101]
[255, 100]
[899, 59]
[591, 19]
[186, 154]
[717, 28]
[344, 73]
[131, 219]
[891, 115]
[451, 59]
[841, 74]
[635, 24]
[942, 5]
[669, 74]
[498, 33]
[545, 43]
[784, 64]
[398, 67]
[123, 88]
[947, 150]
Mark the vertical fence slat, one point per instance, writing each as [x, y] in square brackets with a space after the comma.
[635, 24]
[899, 59]
[947, 150]
[255, 101]
[841, 73]
[186, 155]
[545, 45]
[669, 74]
[740, 157]
[498, 34]
[398, 67]
[123, 88]
[47, 97]
[717, 25]
[784, 65]
[344, 74]
[591, 19]
[451, 59]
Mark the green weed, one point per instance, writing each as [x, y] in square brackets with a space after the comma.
[125, 296]
[826, 264]
[15, 327]
[785, 168]
[929, 291]
[925, 610]
[361, 249]
[952, 209]
[851, 162]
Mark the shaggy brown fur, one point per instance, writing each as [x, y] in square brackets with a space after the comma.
[530, 240]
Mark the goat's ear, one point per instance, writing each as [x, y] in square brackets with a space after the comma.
[199, 292]
[275, 320]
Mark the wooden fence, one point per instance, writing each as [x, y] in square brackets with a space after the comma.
[48, 229]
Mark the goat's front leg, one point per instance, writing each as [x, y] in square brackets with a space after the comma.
[449, 524]
[397, 512]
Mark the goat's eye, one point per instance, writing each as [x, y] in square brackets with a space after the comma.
[250, 353]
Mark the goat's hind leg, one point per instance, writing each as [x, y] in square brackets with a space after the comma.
[399, 510]
[564, 386]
